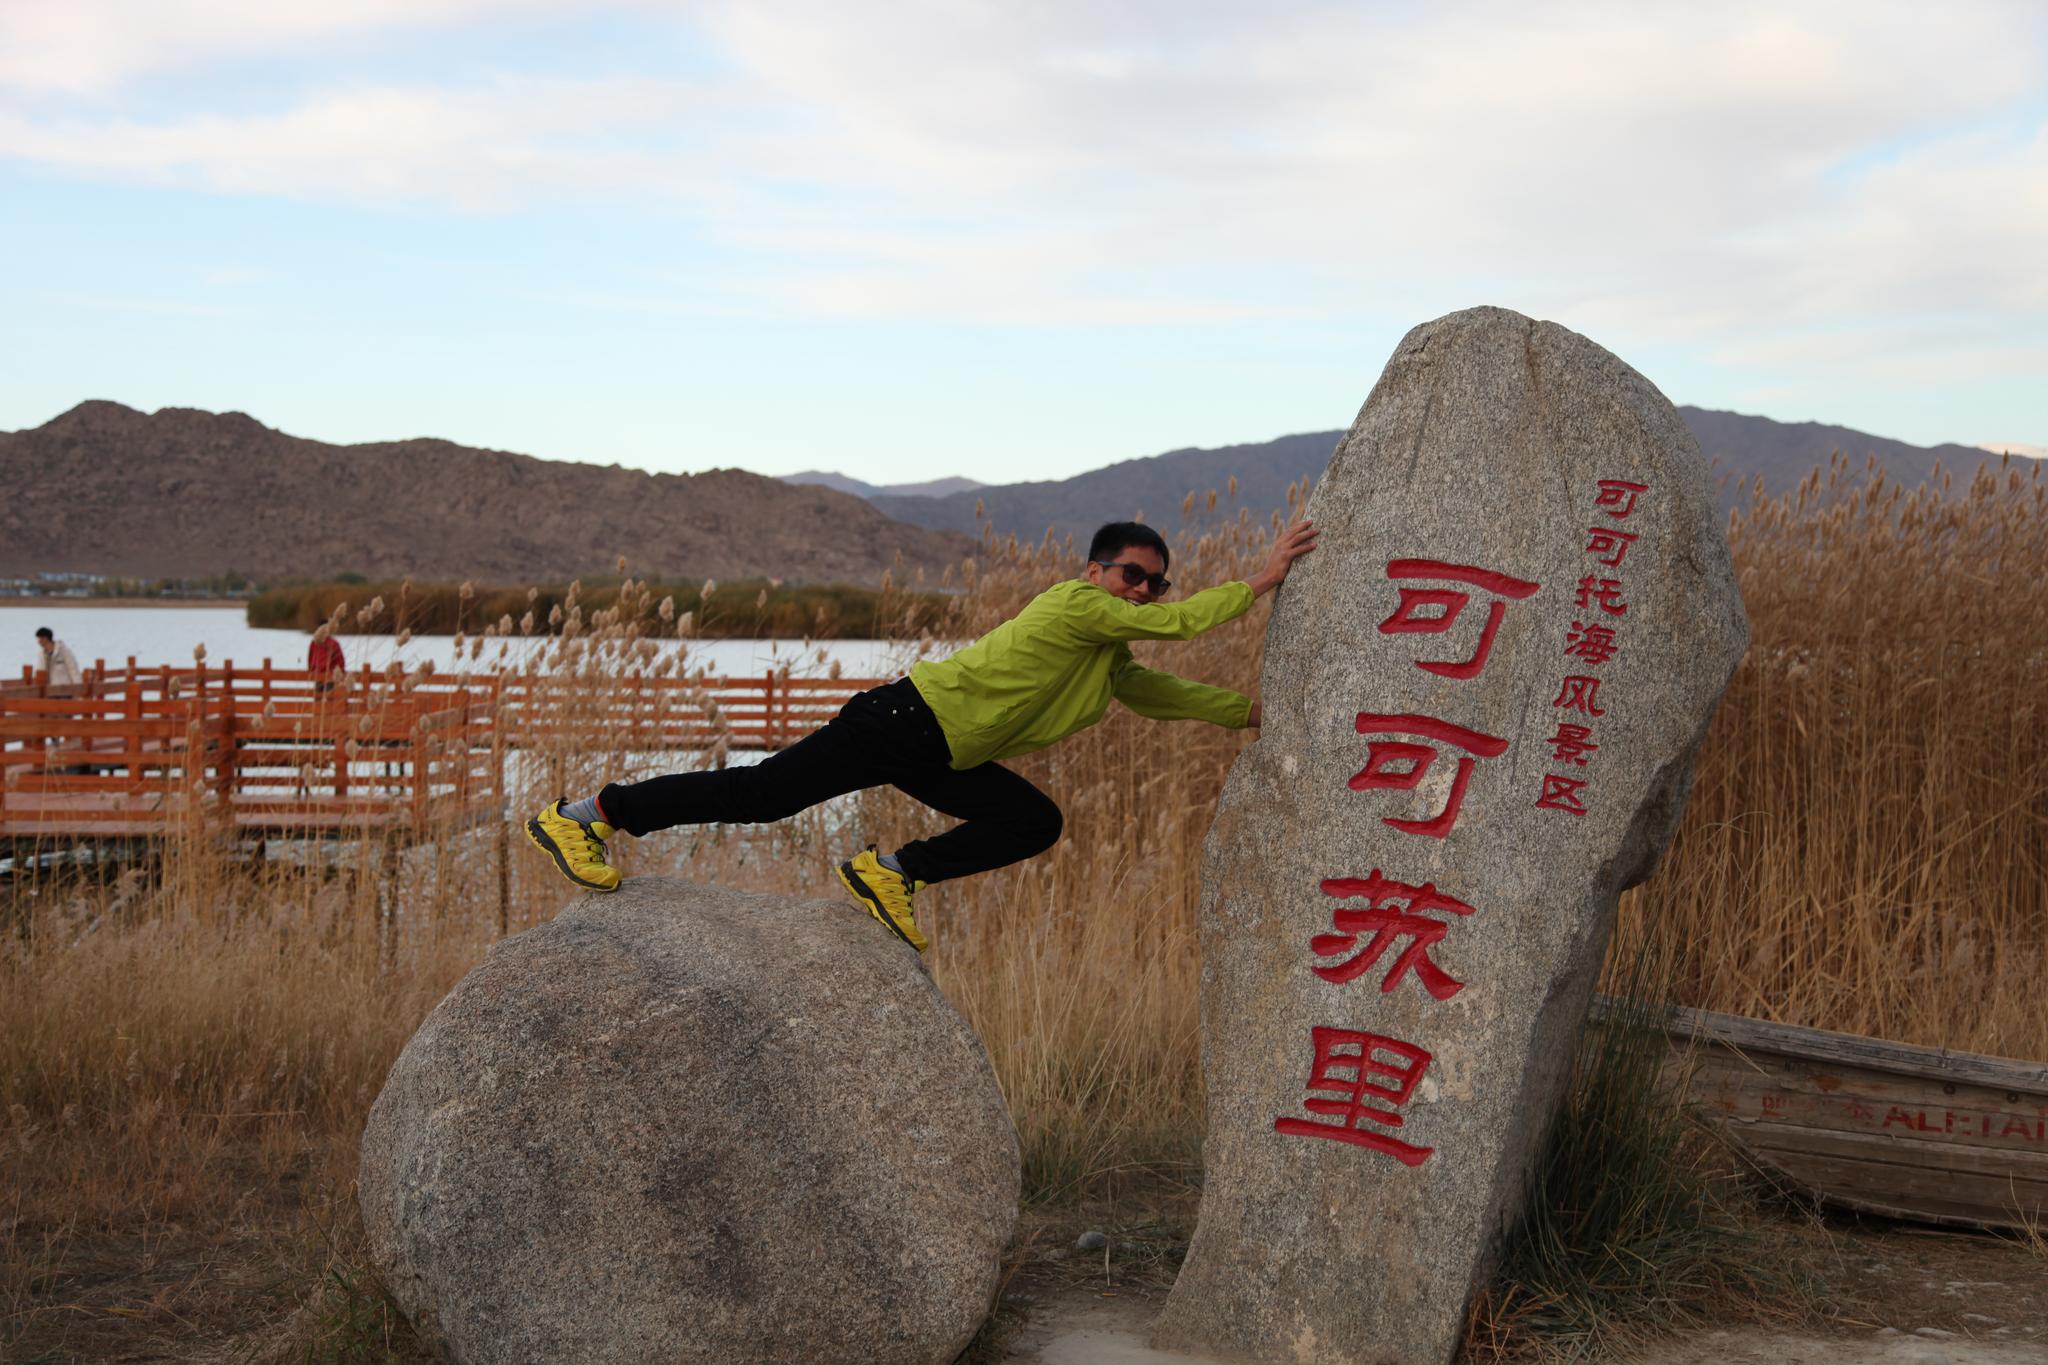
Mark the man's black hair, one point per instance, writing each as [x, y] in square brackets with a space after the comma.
[45, 633]
[1113, 539]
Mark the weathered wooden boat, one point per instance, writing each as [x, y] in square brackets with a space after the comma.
[1955, 1138]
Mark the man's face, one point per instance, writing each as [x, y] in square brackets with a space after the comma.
[46, 642]
[1112, 581]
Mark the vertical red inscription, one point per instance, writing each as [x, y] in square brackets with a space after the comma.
[1344, 1080]
[1392, 910]
[1383, 757]
[1449, 602]
[1617, 497]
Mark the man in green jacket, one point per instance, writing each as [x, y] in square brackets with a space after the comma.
[1048, 671]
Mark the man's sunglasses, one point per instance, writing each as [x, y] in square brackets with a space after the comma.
[1134, 575]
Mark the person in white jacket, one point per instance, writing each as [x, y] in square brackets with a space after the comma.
[60, 663]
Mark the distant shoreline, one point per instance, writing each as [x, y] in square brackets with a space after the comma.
[240, 603]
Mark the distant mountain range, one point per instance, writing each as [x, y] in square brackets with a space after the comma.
[1742, 448]
[181, 493]
[104, 489]
[936, 488]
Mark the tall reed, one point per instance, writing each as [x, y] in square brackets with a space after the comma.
[1866, 846]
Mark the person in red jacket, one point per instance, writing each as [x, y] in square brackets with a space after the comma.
[325, 662]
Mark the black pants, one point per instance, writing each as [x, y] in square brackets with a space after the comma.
[886, 736]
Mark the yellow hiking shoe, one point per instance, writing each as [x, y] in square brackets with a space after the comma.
[576, 847]
[884, 893]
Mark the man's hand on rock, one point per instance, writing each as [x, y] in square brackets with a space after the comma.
[1296, 541]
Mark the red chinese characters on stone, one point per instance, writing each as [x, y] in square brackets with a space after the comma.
[1562, 793]
[1604, 593]
[1447, 604]
[1594, 643]
[1392, 910]
[1580, 694]
[1617, 497]
[1571, 743]
[1383, 770]
[1608, 545]
[1347, 1082]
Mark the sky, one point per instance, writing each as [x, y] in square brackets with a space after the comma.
[907, 240]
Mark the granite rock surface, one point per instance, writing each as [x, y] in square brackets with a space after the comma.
[1483, 693]
[683, 1123]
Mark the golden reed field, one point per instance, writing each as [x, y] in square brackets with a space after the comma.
[188, 1049]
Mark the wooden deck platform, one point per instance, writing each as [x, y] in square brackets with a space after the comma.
[140, 751]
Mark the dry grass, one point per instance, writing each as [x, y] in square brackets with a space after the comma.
[1866, 848]
[748, 609]
[188, 1048]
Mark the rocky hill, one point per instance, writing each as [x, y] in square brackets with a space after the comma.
[1153, 487]
[182, 493]
[1783, 453]
[1742, 447]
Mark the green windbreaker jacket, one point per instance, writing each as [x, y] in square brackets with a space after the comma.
[1053, 667]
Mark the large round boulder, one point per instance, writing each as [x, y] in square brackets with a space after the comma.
[682, 1123]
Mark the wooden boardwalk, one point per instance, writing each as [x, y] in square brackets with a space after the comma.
[141, 752]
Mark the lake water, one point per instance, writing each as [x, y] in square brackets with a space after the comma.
[167, 635]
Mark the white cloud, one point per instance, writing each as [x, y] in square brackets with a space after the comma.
[92, 46]
[1678, 173]
[513, 143]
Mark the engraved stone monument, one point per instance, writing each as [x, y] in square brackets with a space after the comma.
[1482, 694]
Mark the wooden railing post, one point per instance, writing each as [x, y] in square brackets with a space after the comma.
[132, 707]
[230, 779]
[419, 769]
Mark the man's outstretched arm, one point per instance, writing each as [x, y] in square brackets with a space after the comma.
[1163, 696]
[1101, 617]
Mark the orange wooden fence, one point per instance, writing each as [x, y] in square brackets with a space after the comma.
[141, 751]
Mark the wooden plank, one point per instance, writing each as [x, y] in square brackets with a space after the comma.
[1873, 1173]
[1756, 1035]
[83, 829]
[83, 784]
[67, 706]
[1858, 1099]
[60, 729]
[1937, 1162]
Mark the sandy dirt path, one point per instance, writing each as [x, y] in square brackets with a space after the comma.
[1886, 1347]
[1083, 1327]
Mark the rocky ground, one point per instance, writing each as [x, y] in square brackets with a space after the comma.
[242, 1291]
[1895, 1295]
